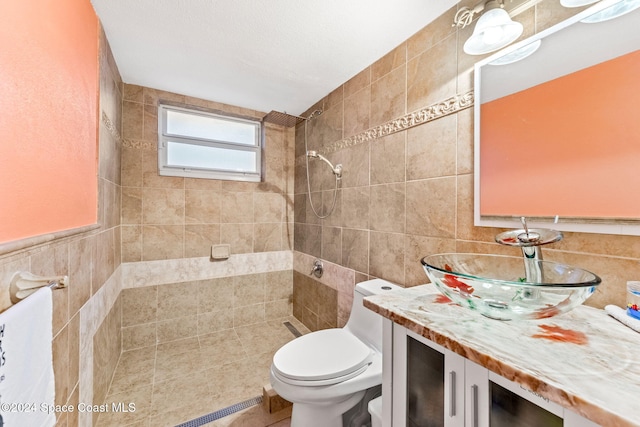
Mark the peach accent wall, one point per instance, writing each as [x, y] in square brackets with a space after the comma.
[578, 135]
[48, 116]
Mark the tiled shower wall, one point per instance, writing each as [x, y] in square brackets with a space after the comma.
[409, 194]
[157, 314]
[172, 217]
[91, 260]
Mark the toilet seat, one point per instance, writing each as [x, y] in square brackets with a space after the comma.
[320, 358]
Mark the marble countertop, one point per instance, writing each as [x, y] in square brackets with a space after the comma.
[583, 360]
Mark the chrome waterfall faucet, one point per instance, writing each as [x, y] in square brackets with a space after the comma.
[530, 240]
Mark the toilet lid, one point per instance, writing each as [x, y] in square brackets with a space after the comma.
[322, 355]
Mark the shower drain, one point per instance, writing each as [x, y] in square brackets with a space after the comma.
[200, 421]
[292, 329]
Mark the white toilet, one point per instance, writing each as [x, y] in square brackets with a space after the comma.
[325, 373]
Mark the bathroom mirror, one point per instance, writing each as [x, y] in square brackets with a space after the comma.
[557, 132]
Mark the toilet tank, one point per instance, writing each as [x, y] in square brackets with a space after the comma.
[364, 323]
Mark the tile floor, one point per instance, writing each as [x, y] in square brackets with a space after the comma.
[178, 381]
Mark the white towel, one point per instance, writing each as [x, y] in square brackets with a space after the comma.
[27, 386]
[621, 315]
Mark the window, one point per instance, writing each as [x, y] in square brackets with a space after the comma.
[199, 144]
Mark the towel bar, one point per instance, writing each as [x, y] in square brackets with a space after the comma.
[24, 284]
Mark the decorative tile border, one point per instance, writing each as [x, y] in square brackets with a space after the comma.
[139, 145]
[108, 124]
[444, 108]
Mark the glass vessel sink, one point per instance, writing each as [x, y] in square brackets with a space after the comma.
[497, 286]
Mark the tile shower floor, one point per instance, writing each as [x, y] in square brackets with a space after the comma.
[175, 382]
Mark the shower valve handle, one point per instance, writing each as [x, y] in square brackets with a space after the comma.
[317, 269]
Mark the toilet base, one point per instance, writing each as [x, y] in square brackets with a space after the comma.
[328, 415]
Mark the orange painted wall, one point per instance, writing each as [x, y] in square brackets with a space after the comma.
[579, 135]
[48, 116]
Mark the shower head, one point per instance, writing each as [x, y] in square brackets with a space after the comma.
[282, 119]
[337, 170]
[288, 120]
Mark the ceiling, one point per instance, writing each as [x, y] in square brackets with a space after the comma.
[281, 55]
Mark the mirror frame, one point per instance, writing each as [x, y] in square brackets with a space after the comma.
[585, 225]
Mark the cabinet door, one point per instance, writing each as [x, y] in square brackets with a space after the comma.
[427, 383]
[476, 395]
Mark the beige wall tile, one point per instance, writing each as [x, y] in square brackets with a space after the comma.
[268, 207]
[81, 254]
[239, 236]
[386, 256]
[335, 97]
[163, 206]
[150, 126]
[162, 242]
[248, 314]
[431, 76]
[138, 336]
[131, 167]
[237, 207]
[388, 96]
[387, 208]
[432, 33]
[214, 321]
[267, 237]
[431, 149]
[73, 360]
[277, 309]
[355, 163]
[133, 93]
[131, 243]
[178, 328]
[248, 289]
[202, 207]
[177, 300]
[328, 308]
[309, 319]
[416, 248]
[61, 368]
[357, 109]
[355, 207]
[308, 239]
[355, 249]
[278, 285]
[332, 244]
[357, 82]
[139, 305]
[215, 294]
[131, 212]
[431, 206]
[389, 62]
[388, 159]
[198, 239]
[132, 120]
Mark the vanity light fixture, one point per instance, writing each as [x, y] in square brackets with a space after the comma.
[494, 29]
[518, 54]
[576, 3]
[617, 9]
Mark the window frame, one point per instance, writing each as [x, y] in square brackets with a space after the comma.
[164, 137]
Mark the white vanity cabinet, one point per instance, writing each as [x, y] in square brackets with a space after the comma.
[431, 386]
